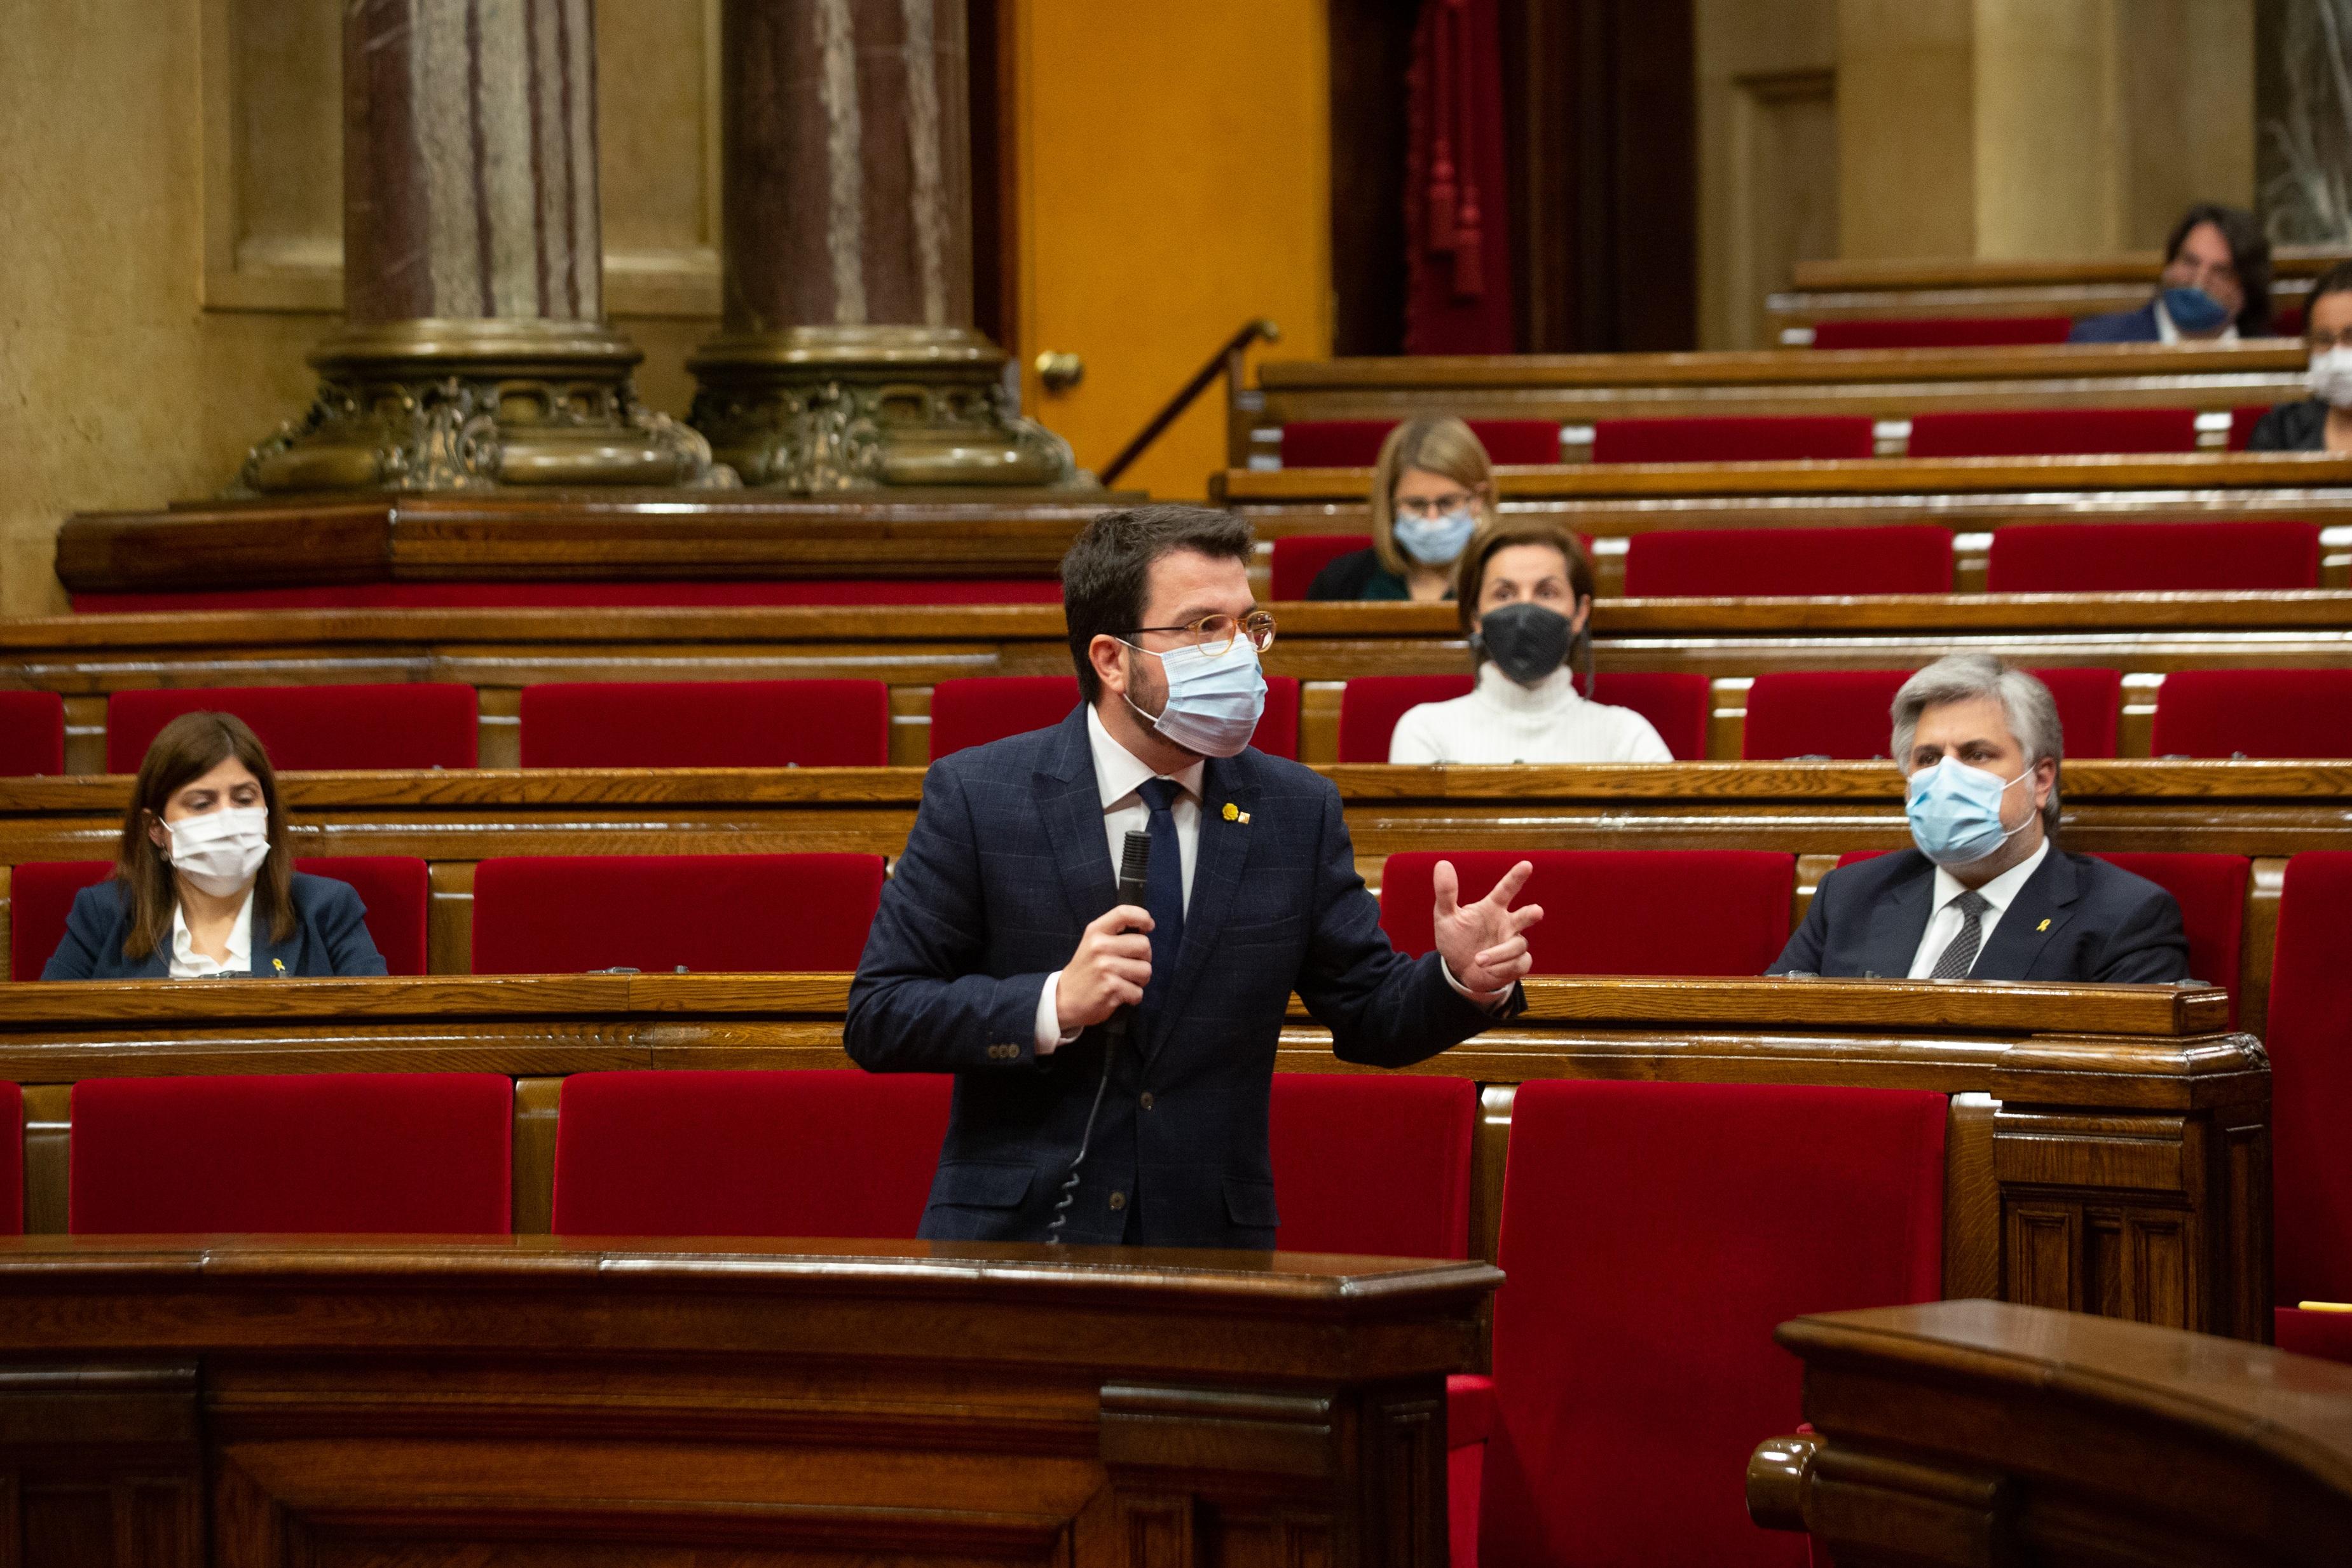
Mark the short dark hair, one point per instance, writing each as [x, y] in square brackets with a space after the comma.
[1107, 572]
[2250, 253]
[1470, 579]
[2336, 280]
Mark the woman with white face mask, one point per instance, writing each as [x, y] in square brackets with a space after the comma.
[1433, 489]
[203, 885]
[2323, 421]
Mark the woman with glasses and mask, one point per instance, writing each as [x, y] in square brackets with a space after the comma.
[1525, 596]
[1432, 489]
[2322, 422]
[2215, 286]
[203, 886]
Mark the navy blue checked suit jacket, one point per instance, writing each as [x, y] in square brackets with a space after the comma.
[330, 937]
[1007, 865]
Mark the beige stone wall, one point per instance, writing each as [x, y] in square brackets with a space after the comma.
[170, 238]
[1767, 181]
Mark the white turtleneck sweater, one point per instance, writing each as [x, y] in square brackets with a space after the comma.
[1503, 721]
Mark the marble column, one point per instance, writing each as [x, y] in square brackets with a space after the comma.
[475, 352]
[847, 358]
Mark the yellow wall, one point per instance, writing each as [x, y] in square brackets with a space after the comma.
[1175, 182]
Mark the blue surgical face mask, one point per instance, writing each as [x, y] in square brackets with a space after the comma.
[1435, 541]
[1215, 701]
[2194, 311]
[1955, 811]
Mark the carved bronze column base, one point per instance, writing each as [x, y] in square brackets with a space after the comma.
[818, 409]
[478, 404]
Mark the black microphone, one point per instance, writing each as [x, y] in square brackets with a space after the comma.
[1134, 868]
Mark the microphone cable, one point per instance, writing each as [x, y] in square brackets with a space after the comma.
[1135, 865]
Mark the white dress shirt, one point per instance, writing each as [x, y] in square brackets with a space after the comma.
[187, 964]
[1503, 721]
[1118, 779]
[2166, 332]
[1946, 922]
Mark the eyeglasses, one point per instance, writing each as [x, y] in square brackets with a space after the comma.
[1435, 506]
[2322, 341]
[1215, 634]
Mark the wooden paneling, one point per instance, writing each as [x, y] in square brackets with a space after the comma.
[2101, 1132]
[1979, 1432]
[364, 1400]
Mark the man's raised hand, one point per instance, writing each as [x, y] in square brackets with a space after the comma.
[1485, 943]
[1108, 971]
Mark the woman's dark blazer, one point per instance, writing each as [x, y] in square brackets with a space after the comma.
[330, 937]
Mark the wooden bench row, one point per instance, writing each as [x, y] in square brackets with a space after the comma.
[2265, 811]
[2144, 1125]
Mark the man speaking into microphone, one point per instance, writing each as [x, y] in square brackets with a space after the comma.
[1002, 953]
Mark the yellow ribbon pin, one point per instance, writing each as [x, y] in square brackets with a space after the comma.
[2043, 927]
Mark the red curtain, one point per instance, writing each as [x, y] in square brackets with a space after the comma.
[1457, 224]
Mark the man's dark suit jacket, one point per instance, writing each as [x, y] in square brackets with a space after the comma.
[2076, 918]
[2292, 427]
[1007, 864]
[330, 937]
[2122, 327]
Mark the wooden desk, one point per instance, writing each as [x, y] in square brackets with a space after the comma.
[1889, 385]
[1969, 286]
[2264, 810]
[2121, 1164]
[168, 1404]
[499, 651]
[1979, 1433]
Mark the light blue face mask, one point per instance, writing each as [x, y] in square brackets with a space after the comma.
[1435, 541]
[1215, 701]
[1955, 811]
[2194, 311]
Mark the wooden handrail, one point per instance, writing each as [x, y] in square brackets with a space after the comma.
[1226, 360]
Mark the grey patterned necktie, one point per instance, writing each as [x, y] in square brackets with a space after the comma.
[1961, 955]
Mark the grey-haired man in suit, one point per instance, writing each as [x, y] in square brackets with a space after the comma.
[1001, 949]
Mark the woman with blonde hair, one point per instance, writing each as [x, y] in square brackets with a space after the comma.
[1525, 596]
[203, 884]
[1433, 488]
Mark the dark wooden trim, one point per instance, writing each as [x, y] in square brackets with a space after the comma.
[992, 42]
[1370, 49]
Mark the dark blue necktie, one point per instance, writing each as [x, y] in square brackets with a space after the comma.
[1163, 890]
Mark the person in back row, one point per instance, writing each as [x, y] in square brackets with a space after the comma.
[2322, 422]
[1432, 490]
[203, 885]
[2215, 286]
[1525, 593]
[1986, 895]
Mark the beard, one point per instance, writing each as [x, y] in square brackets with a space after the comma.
[1147, 686]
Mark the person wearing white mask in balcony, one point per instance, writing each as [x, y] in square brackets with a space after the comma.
[2322, 422]
[203, 885]
[1984, 893]
[1433, 489]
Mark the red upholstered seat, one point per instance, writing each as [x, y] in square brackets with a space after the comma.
[2241, 425]
[395, 888]
[12, 1160]
[1677, 705]
[1654, 1235]
[2253, 713]
[2325, 1335]
[2309, 1037]
[1617, 912]
[706, 724]
[2090, 704]
[1820, 713]
[982, 708]
[1941, 331]
[1299, 557]
[1356, 443]
[1766, 439]
[815, 1153]
[32, 733]
[380, 1152]
[1748, 563]
[1370, 707]
[1373, 1164]
[730, 913]
[2211, 892]
[2051, 432]
[40, 897]
[2152, 557]
[398, 725]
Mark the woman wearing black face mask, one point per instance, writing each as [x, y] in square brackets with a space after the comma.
[1525, 592]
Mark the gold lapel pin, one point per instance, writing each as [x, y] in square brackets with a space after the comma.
[1236, 814]
[279, 964]
[2043, 927]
